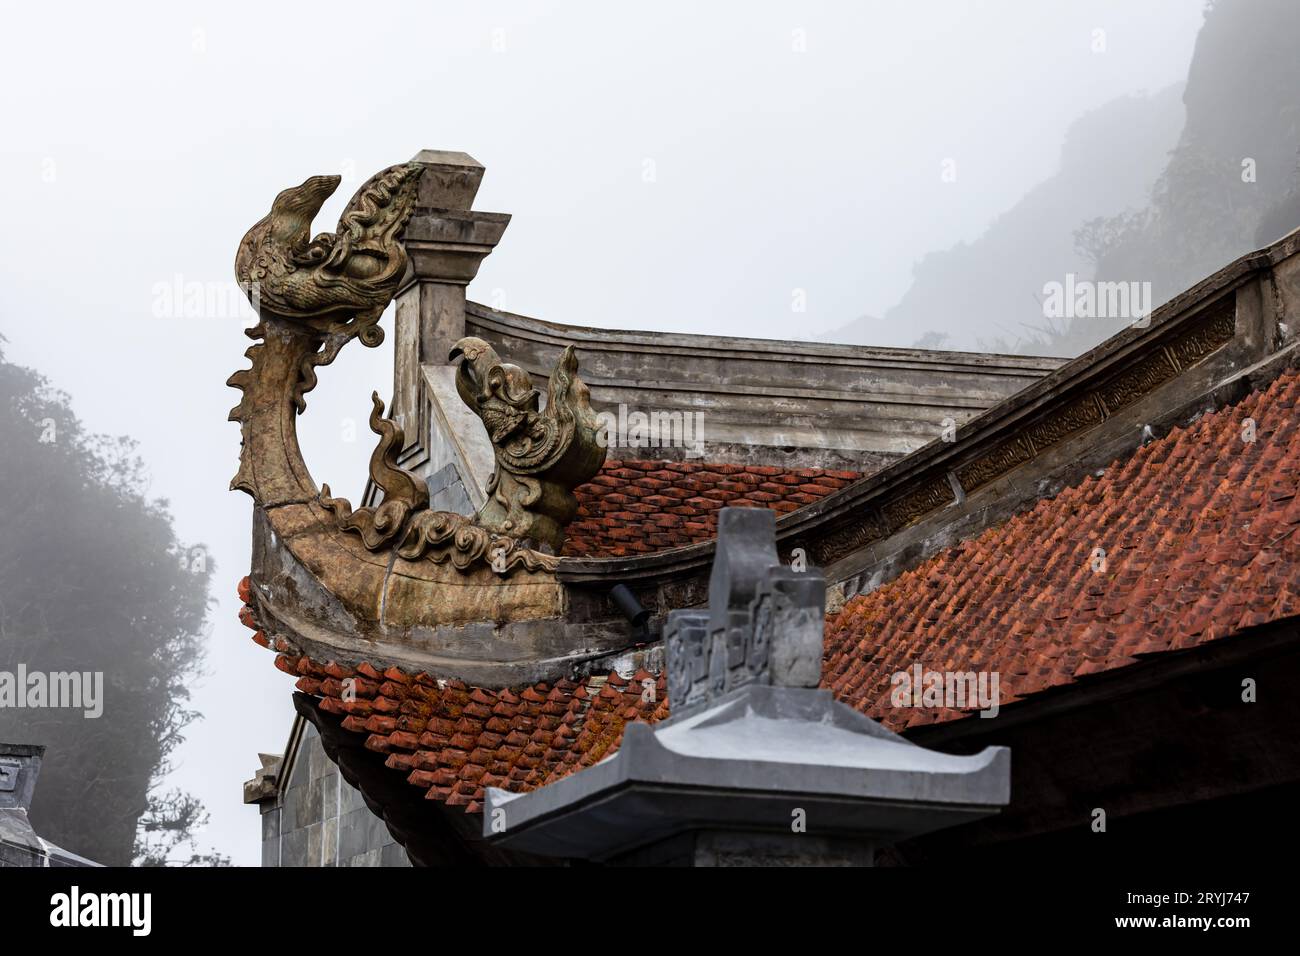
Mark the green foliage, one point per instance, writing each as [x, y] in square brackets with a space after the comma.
[92, 578]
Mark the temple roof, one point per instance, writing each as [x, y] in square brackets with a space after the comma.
[637, 506]
[1135, 503]
[1198, 533]
[1190, 540]
[453, 739]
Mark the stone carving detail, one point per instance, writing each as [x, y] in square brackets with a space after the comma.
[403, 491]
[997, 462]
[904, 510]
[541, 455]
[1209, 334]
[1137, 380]
[1216, 330]
[442, 536]
[862, 531]
[1076, 416]
[764, 623]
[403, 516]
[337, 284]
[686, 649]
[1124, 389]
[313, 296]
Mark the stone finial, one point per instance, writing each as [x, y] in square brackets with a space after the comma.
[337, 284]
[450, 180]
[446, 239]
[764, 623]
[266, 782]
[20, 765]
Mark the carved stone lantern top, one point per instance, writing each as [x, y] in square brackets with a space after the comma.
[756, 764]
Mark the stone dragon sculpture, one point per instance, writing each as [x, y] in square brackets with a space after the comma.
[396, 567]
[541, 456]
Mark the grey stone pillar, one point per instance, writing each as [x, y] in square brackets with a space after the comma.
[446, 242]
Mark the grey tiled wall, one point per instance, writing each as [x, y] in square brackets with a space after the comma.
[321, 820]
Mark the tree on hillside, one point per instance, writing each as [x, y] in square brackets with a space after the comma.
[1230, 185]
[93, 579]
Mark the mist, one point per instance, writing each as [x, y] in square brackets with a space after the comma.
[668, 167]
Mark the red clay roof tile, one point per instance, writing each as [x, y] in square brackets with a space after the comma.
[634, 507]
[1200, 537]
[1187, 528]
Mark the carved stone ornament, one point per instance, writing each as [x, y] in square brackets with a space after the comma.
[764, 623]
[313, 296]
[541, 456]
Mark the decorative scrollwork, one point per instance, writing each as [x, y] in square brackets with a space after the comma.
[403, 518]
[443, 536]
[404, 493]
[337, 284]
[313, 296]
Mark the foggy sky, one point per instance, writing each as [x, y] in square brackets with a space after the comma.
[138, 147]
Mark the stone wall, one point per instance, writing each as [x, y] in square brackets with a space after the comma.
[768, 402]
[318, 819]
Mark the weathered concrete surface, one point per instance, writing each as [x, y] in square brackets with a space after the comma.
[456, 437]
[1206, 348]
[446, 242]
[325, 594]
[793, 404]
[788, 404]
